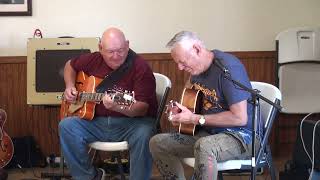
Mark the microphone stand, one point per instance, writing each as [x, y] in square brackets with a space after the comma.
[255, 95]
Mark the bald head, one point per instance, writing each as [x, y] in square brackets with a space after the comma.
[114, 47]
[112, 37]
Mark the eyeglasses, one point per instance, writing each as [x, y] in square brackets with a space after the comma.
[120, 51]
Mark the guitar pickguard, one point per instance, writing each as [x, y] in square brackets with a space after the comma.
[75, 107]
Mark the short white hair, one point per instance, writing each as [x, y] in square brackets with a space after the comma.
[185, 39]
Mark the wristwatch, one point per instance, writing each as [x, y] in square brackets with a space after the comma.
[202, 120]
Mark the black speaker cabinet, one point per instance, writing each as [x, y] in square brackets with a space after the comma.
[300, 157]
[50, 66]
[45, 64]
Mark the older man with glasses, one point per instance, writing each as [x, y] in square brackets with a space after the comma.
[111, 121]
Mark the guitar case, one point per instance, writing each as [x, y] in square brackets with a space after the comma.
[27, 154]
[3, 174]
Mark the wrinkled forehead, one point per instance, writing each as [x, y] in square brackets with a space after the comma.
[113, 43]
[113, 39]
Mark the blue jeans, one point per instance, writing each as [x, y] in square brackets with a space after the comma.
[76, 134]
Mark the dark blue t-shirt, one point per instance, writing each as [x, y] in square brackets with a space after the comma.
[220, 93]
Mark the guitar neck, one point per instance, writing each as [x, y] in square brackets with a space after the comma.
[123, 98]
[96, 97]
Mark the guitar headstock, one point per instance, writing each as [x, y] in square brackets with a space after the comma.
[124, 98]
[171, 109]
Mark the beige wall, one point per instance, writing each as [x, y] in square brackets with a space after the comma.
[233, 25]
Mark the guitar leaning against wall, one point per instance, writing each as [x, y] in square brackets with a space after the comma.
[6, 145]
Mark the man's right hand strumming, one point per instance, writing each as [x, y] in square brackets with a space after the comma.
[70, 94]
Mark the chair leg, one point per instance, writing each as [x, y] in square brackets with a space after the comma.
[117, 156]
[254, 172]
[220, 176]
[95, 154]
[270, 163]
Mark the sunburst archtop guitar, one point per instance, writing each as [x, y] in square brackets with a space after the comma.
[6, 145]
[192, 99]
[87, 98]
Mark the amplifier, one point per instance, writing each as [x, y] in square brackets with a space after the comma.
[300, 157]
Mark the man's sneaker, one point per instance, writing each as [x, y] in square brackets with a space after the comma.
[101, 174]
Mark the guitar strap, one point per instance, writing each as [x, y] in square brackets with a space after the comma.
[114, 76]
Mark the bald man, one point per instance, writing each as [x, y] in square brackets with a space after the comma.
[111, 122]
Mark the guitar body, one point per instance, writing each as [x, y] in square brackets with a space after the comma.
[6, 145]
[6, 150]
[82, 109]
[192, 99]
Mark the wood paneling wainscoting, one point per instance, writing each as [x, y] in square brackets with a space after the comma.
[42, 121]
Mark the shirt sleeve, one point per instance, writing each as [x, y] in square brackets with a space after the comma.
[233, 93]
[88, 63]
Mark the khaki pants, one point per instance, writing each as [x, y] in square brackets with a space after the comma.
[167, 150]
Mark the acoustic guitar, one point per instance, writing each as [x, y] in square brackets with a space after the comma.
[87, 98]
[192, 99]
[6, 145]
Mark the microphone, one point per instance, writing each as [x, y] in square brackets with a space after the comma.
[220, 66]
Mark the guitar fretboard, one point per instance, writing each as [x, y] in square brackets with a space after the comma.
[90, 96]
